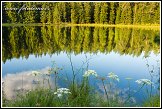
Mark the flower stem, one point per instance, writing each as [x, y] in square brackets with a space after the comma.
[49, 84]
[72, 71]
[55, 81]
[134, 93]
[105, 92]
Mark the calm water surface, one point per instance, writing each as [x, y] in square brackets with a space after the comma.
[126, 52]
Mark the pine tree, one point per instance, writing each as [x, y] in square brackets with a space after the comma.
[56, 15]
[81, 13]
[112, 13]
[50, 13]
[97, 12]
[43, 14]
[74, 13]
[29, 15]
[4, 15]
[12, 14]
[103, 13]
[87, 11]
[156, 17]
[126, 13]
[118, 13]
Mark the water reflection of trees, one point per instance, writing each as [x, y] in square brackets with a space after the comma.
[22, 41]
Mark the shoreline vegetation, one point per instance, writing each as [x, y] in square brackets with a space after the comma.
[80, 94]
[148, 26]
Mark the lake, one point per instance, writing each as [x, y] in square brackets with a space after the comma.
[127, 52]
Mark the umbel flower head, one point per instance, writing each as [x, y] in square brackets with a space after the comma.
[90, 72]
[54, 70]
[144, 81]
[113, 76]
[35, 73]
[62, 91]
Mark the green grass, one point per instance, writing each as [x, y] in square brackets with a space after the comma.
[82, 95]
[154, 101]
[146, 26]
[46, 98]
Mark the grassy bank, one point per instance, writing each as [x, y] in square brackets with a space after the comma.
[47, 98]
[80, 94]
[148, 26]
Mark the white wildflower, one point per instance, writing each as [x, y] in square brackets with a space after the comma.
[35, 73]
[113, 76]
[66, 92]
[144, 81]
[62, 91]
[90, 72]
[46, 73]
[55, 93]
[59, 95]
[54, 70]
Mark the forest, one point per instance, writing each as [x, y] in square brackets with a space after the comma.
[81, 12]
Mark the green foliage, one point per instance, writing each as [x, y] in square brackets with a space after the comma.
[74, 13]
[97, 12]
[103, 12]
[11, 15]
[81, 95]
[112, 13]
[56, 14]
[83, 12]
[154, 101]
[29, 15]
[126, 13]
[34, 98]
[87, 8]
[43, 14]
[118, 14]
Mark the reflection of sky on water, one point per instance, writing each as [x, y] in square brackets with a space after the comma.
[24, 80]
[122, 65]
